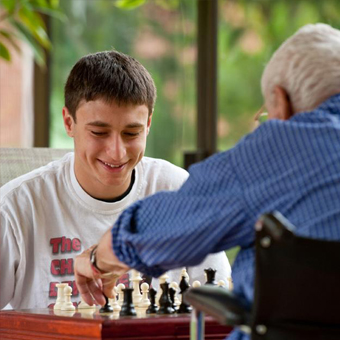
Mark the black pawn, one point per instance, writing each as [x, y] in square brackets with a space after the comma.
[107, 307]
[184, 307]
[172, 293]
[210, 276]
[128, 309]
[165, 305]
[153, 308]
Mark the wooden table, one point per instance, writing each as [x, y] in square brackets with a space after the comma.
[45, 324]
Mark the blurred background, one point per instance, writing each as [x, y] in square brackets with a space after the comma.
[162, 35]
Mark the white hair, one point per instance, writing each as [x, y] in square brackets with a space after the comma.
[307, 66]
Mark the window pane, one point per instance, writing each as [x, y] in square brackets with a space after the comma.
[249, 32]
[161, 35]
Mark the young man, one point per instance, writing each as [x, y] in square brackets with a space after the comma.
[55, 212]
[290, 164]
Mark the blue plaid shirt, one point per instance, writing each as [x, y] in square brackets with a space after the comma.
[290, 166]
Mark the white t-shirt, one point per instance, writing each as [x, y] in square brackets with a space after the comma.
[47, 219]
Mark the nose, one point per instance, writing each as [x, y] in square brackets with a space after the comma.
[116, 148]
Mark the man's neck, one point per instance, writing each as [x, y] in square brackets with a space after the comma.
[120, 197]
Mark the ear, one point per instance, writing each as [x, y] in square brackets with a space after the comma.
[68, 122]
[283, 107]
[149, 123]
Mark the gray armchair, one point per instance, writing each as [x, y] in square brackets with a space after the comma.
[15, 162]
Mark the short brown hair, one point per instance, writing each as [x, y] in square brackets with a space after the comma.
[112, 76]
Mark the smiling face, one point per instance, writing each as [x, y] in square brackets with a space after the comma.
[109, 141]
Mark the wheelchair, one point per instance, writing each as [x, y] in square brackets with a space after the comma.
[297, 288]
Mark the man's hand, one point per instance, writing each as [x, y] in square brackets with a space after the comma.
[93, 285]
[90, 284]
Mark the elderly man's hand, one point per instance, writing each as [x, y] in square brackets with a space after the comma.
[94, 283]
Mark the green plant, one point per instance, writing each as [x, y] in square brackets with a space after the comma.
[24, 20]
[132, 4]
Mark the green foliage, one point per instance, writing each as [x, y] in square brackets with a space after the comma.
[26, 17]
[128, 31]
[4, 53]
[129, 4]
[249, 32]
[168, 4]
[132, 4]
[162, 35]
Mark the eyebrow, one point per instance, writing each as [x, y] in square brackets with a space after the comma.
[134, 125]
[99, 123]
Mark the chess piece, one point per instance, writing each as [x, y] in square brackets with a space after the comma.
[162, 279]
[57, 312]
[221, 283]
[135, 278]
[67, 305]
[107, 307]
[84, 305]
[210, 276]
[141, 312]
[113, 302]
[153, 308]
[172, 293]
[174, 285]
[60, 295]
[144, 302]
[128, 309]
[120, 291]
[87, 313]
[196, 284]
[184, 307]
[114, 316]
[185, 274]
[68, 313]
[165, 305]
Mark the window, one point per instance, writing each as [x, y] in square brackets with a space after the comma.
[162, 38]
[249, 32]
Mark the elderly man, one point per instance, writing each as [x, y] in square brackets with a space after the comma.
[291, 164]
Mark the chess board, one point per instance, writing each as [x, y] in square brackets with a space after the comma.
[45, 324]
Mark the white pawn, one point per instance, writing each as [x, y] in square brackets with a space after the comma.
[87, 313]
[136, 278]
[144, 302]
[84, 305]
[68, 313]
[162, 279]
[57, 312]
[120, 292]
[68, 305]
[196, 284]
[113, 302]
[60, 295]
[221, 283]
[174, 285]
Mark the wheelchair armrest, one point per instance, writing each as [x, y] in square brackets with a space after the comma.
[223, 305]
